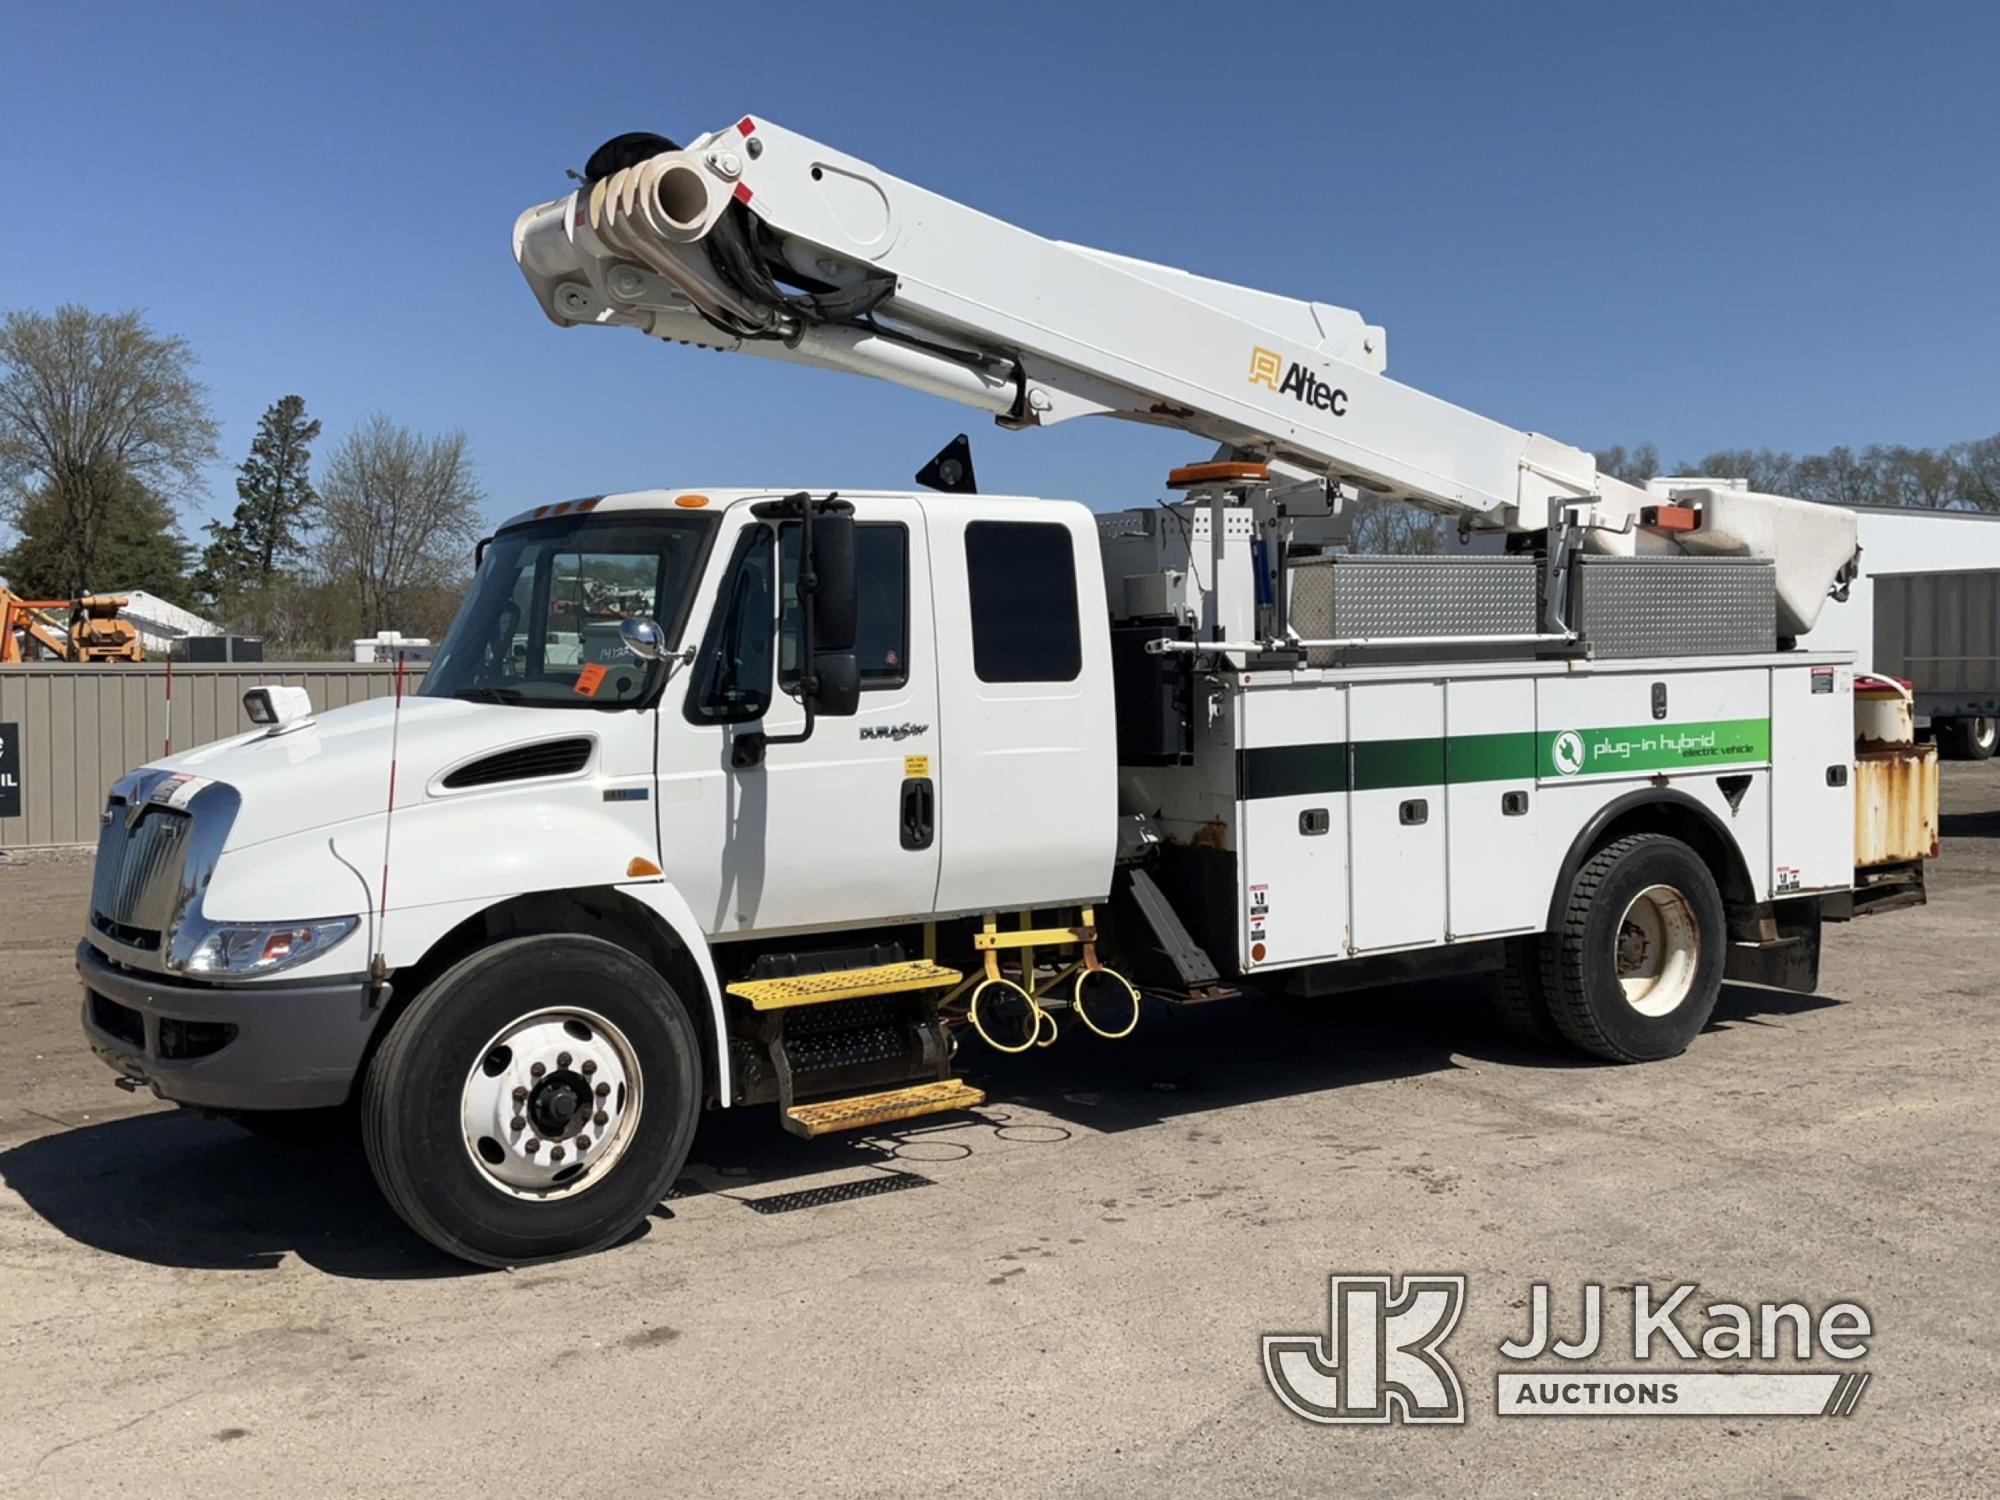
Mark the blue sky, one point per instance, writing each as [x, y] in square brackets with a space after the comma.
[1704, 225]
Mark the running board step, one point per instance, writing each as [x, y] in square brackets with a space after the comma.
[828, 1115]
[844, 984]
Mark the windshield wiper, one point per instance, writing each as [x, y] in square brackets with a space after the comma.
[488, 694]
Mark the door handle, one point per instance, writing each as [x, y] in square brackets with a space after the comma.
[919, 813]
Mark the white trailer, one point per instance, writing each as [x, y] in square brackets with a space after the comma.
[1924, 609]
[728, 796]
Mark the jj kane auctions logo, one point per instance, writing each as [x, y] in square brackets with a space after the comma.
[1382, 1357]
[1296, 381]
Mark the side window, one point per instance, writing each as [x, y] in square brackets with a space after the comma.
[1021, 584]
[732, 684]
[882, 614]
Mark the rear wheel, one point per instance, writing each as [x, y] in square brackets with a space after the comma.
[1633, 969]
[1971, 738]
[1517, 995]
[536, 1101]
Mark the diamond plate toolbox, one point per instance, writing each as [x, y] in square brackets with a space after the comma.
[1348, 597]
[1676, 606]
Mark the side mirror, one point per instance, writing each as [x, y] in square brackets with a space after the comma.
[643, 638]
[837, 687]
[834, 596]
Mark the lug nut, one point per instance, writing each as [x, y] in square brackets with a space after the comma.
[603, 1089]
[536, 1071]
[599, 1118]
[520, 1095]
[555, 1153]
[517, 1123]
[562, 1059]
[532, 1147]
[583, 1143]
[589, 1066]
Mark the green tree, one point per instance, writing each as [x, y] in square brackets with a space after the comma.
[137, 548]
[96, 411]
[275, 506]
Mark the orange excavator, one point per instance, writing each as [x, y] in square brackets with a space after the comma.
[86, 629]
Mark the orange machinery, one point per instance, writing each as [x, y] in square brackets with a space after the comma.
[93, 631]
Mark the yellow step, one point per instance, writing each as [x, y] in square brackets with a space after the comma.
[829, 1115]
[844, 984]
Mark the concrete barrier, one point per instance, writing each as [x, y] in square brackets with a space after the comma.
[75, 729]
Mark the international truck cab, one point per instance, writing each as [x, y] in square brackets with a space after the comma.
[715, 798]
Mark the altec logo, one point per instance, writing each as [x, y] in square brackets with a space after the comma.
[1296, 381]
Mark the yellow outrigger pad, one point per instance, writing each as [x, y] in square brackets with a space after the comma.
[844, 984]
[829, 1115]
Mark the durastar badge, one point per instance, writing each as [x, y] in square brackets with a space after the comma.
[1296, 381]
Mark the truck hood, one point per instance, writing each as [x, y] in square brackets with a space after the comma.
[335, 768]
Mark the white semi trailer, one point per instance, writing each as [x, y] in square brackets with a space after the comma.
[716, 797]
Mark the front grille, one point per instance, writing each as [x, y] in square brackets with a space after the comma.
[136, 888]
[132, 937]
[120, 1021]
[524, 763]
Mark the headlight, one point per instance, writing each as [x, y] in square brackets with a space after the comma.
[239, 948]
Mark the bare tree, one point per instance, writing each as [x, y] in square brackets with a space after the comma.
[1634, 467]
[1768, 473]
[1380, 524]
[1926, 477]
[91, 406]
[1977, 470]
[399, 514]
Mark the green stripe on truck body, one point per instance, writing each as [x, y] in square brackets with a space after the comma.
[1552, 755]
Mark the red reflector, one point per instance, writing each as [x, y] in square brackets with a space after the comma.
[742, 194]
[1670, 517]
[746, 125]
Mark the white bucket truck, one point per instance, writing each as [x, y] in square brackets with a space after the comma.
[716, 797]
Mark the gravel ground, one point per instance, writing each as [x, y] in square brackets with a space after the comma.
[1063, 1296]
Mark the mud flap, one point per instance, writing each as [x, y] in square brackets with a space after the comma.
[1789, 960]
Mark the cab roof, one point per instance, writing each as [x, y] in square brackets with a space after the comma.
[712, 500]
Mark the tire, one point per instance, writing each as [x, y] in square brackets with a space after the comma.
[1975, 738]
[567, 1015]
[1518, 999]
[1634, 966]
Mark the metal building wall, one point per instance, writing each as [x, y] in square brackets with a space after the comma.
[81, 727]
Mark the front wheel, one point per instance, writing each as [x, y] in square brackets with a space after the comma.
[1633, 969]
[535, 1101]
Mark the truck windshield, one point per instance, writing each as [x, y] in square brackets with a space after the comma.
[540, 627]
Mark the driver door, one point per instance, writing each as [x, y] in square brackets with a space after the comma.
[842, 828]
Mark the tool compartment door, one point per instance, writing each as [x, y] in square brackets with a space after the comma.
[1291, 785]
[1812, 767]
[1396, 814]
[1490, 814]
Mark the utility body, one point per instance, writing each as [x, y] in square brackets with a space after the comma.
[722, 797]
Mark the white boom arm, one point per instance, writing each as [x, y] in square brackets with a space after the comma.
[756, 240]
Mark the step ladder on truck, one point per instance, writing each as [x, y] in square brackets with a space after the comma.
[716, 797]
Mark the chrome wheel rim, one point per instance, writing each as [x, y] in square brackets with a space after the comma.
[551, 1103]
[1659, 950]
